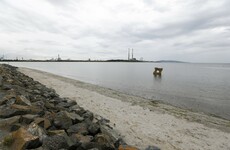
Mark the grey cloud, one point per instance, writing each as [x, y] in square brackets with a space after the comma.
[71, 31]
[199, 20]
[18, 20]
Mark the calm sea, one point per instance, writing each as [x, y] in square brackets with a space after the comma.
[200, 87]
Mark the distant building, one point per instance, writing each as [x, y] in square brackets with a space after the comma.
[132, 58]
[2, 58]
[59, 58]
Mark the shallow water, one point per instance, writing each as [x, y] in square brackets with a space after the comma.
[200, 87]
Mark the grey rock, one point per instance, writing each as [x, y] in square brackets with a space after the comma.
[110, 132]
[53, 94]
[25, 140]
[43, 122]
[1, 81]
[22, 100]
[39, 148]
[152, 148]
[3, 101]
[102, 138]
[77, 109]
[27, 119]
[88, 114]
[39, 86]
[62, 120]
[94, 128]
[80, 128]
[11, 101]
[9, 121]
[9, 98]
[49, 105]
[64, 104]
[15, 127]
[55, 142]
[36, 92]
[119, 142]
[94, 145]
[34, 144]
[72, 102]
[7, 87]
[9, 112]
[82, 138]
[74, 117]
[35, 130]
[39, 104]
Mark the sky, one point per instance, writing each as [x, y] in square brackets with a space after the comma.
[184, 30]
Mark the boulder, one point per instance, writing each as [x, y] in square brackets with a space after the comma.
[62, 120]
[80, 128]
[39, 104]
[54, 101]
[6, 123]
[35, 130]
[39, 86]
[119, 142]
[81, 138]
[15, 110]
[94, 145]
[127, 147]
[93, 128]
[55, 142]
[36, 92]
[70, 141]
[64, 105]
[1, 81]
[7, 112]
[7, 87]
[56, 132]
[22, 100]
[52, 94]
[74, 117]
[8, 99]
[72, 102]
[43, 122]
[46, 95]
[102, 138]
[15, 127]
[24, 140]
[49, 105]
[65, 119]
[88, 115]
[34, 98]
[27, 109]
[50, 116]
[110, 132]
[3, 101]
[152, 148]
[27, 119]
[77, 109]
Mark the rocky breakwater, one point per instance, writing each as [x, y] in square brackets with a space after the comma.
[33, 116]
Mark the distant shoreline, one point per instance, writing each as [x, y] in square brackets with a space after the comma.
[113, 60]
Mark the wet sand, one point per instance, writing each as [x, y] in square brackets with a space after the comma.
[139, 121]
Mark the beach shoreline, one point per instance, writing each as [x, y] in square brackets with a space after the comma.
[140, 121]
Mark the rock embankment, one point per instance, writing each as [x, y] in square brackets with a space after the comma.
[33, 116]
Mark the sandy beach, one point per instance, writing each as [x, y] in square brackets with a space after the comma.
[139, 121]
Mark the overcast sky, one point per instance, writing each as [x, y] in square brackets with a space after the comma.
[185, 30]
